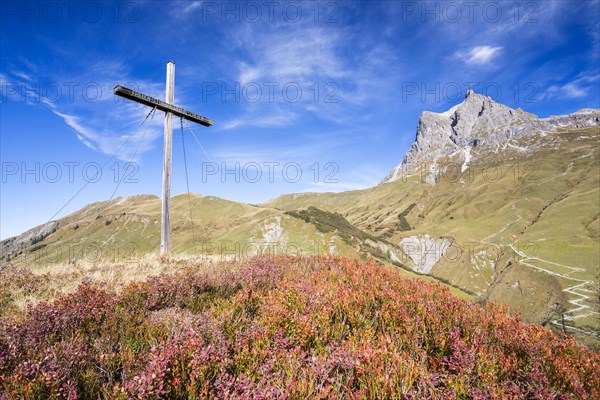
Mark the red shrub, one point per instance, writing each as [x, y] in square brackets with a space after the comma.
[285, 328]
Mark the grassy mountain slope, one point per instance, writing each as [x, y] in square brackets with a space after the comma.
[523, 223]
[126, 228]
[518, 224]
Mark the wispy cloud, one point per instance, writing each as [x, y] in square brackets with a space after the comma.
[294, 55]
[83, 133]
[289, 68]
[128, 146]
[359, 177]
[194, 5]
[479, 55]
[572, 91]
[307, 70]
[277, 119]
[577, 88]
[87, 105]
[323, 187]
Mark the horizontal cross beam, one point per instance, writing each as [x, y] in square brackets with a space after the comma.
[161, 105]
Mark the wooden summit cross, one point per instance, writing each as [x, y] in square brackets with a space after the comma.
[169, 109]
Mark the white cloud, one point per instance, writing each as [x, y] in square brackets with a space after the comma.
[569, 91]
[479, 55]
[572, 91]
[192, 6]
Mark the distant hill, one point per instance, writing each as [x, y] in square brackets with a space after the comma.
[497, 202]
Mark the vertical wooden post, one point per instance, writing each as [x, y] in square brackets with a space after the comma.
[165, 231]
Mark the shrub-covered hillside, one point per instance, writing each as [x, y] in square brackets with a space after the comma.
[284, 328]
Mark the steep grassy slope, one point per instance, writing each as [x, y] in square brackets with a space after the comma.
[284, 328]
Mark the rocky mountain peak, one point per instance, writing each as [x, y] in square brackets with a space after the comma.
[475, 121]
[479, 121]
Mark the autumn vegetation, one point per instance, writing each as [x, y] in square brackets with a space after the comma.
[283, 328]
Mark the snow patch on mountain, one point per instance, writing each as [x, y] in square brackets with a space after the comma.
[468, 156]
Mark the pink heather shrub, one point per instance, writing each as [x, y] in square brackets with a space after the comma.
[285, 327]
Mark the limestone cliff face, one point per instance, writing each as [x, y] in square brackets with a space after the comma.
[480, 122]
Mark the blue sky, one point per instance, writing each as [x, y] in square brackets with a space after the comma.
[305, 96]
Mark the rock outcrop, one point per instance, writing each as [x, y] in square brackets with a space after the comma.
[424, 251]
[12, 246]
[578, 119]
